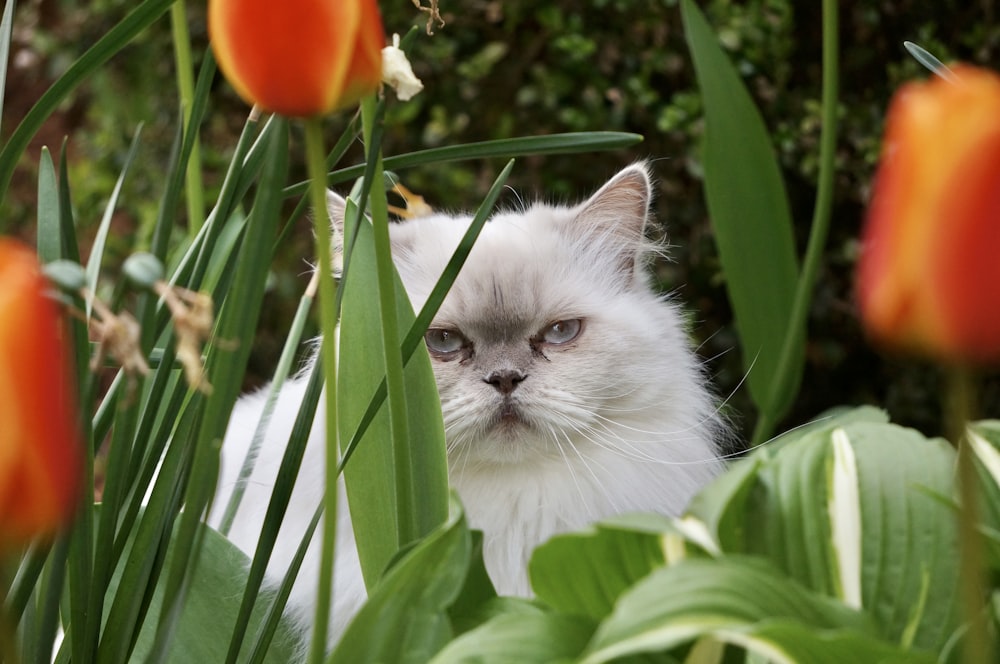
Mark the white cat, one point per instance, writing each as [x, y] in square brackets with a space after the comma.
[568, 387]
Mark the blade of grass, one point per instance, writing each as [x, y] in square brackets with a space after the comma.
[568, 143]
[284, 483]
[93, 269]
[185, 85]
[111, 43]
[49, 245]
[6, 24]
[225, 367]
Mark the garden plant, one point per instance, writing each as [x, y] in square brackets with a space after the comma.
[846, 538]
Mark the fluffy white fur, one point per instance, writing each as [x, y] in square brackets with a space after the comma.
[616, 419]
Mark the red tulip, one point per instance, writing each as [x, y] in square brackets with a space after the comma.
[929, 274]
[40, 446]
[298, 57]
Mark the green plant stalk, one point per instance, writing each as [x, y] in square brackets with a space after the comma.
[820, 223]
[316, 166]
[407, 522]
[185, 85]
[961, 396]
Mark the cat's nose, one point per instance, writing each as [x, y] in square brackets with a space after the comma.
[505, 380]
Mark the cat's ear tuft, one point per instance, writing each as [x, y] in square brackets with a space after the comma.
[616, 215]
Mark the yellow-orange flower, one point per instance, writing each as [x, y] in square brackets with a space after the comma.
[929, 273]
[40, 447]
[298, 57]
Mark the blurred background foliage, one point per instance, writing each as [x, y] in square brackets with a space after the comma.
[502, 68]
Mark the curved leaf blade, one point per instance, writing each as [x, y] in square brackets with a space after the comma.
[750, 215]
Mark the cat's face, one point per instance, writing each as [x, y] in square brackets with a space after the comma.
[540, 343]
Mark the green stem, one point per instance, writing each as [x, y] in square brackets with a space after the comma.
[960, 406]
[407, 528]
[787, 369]
[185, 85]
[316, 164]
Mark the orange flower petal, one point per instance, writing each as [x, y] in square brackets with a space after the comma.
[39, 440]
[928, 277]
[298, 57]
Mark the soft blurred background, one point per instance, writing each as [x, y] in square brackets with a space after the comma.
[503, 68]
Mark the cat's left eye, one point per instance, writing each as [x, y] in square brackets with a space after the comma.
[562, 331]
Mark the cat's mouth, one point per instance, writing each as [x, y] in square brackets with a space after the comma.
[509, 416]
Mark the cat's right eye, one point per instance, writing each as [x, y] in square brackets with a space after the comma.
[444, 343]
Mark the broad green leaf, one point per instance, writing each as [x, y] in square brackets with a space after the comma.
[713, 597]
[369, 473]
[750, 215]
[583, 573]
[520, 638]
[210, 610]
[864, 524]
[405, 618]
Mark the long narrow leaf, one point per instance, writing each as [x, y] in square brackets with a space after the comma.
[569, 143]
[97, 249]
[112, 42]
[750, 215]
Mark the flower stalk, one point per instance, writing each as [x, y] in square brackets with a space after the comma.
[961, 397]
[316, 165]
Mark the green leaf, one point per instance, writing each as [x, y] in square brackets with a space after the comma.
[97, 248]
[850, 509]
[112, 42]
[520, 638]
[369, 474]
[210, 609]
[750, 216]
[569, 143]
[583, 573]
[49, 246]
[732, 599]
[6, 23]
[405, 618]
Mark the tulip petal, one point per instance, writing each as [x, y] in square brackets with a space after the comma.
[39, 439]
[298, 57]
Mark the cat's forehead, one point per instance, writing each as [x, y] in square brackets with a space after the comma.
[520, 269]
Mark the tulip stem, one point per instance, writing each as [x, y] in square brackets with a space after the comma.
[960, 407]
[819, 230]
[185, 85]
[316, 165]
[406, 524]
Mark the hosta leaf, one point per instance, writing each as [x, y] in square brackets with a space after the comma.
[405, 618]
[854, 511]
[520, 638]
[732, 598]
[583, 573]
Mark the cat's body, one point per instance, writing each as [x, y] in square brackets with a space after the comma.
[568, 388]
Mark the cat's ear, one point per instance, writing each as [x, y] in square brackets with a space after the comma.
[615, 216]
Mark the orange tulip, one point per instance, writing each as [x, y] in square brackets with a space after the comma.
[298, 57]
[40, 445]
[929, 273]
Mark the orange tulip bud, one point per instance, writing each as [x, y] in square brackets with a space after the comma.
[929, 273]
[298, 57]
[40, 444]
